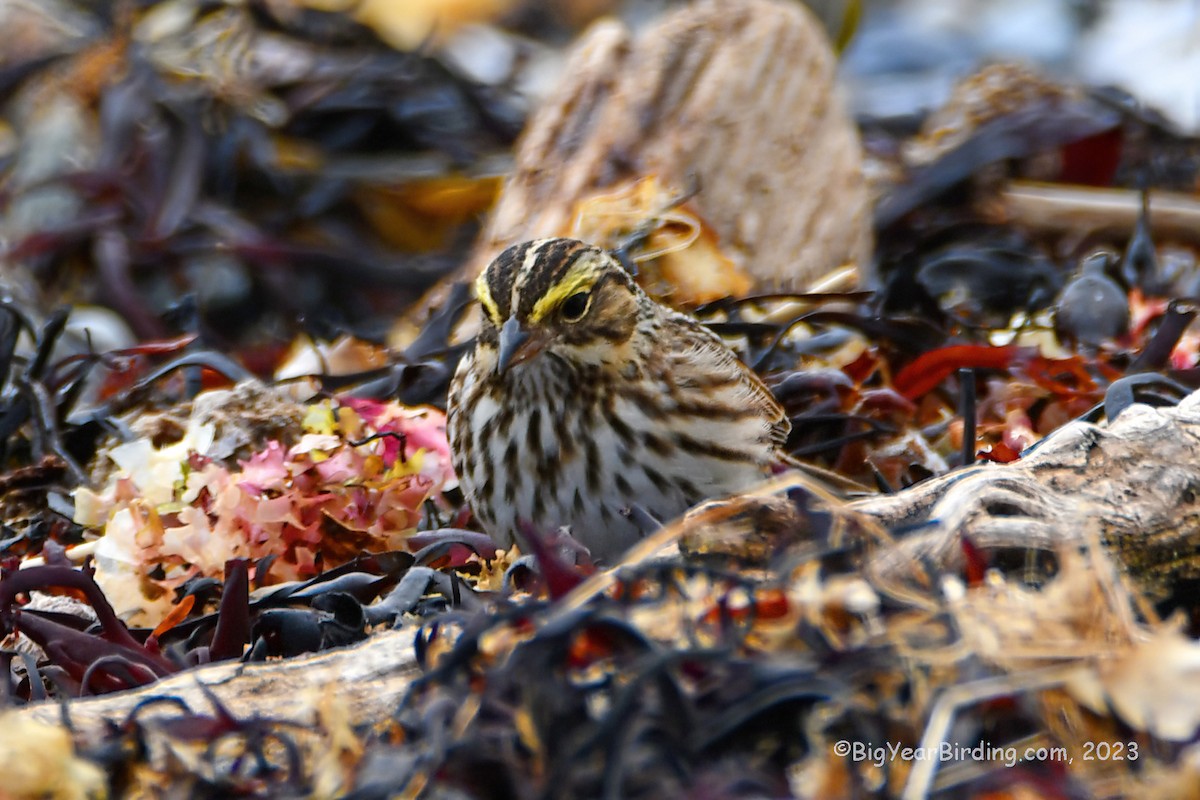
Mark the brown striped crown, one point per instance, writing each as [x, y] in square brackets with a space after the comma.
[565, 289]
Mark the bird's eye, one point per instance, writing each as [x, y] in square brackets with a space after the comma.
[575, 306]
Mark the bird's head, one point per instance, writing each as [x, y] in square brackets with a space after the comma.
[558, 296]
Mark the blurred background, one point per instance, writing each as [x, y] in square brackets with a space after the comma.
[905, 55]
[240, 170]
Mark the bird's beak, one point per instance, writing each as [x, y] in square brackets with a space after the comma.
[517, 345]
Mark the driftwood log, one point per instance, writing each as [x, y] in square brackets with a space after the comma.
[1134, 484]
[734, 99]
[1136, 481]
[736, 95]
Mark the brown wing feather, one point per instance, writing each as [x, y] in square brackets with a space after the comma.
[699, 355]
[702, 354]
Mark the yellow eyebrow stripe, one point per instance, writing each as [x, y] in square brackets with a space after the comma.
[581, 278]
[484, 295]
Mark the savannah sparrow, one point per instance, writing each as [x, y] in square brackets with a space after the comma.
[584, 398]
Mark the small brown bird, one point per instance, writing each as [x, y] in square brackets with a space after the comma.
[584, 399]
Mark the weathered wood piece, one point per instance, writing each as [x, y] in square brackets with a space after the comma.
[368, 679]
[735, 96]
[1076, 210]
[1134, 482]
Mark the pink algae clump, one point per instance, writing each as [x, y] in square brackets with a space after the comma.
[356, 480]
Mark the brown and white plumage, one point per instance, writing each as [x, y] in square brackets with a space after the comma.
[584, 398]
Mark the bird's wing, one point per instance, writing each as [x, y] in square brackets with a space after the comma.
[701, 360]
